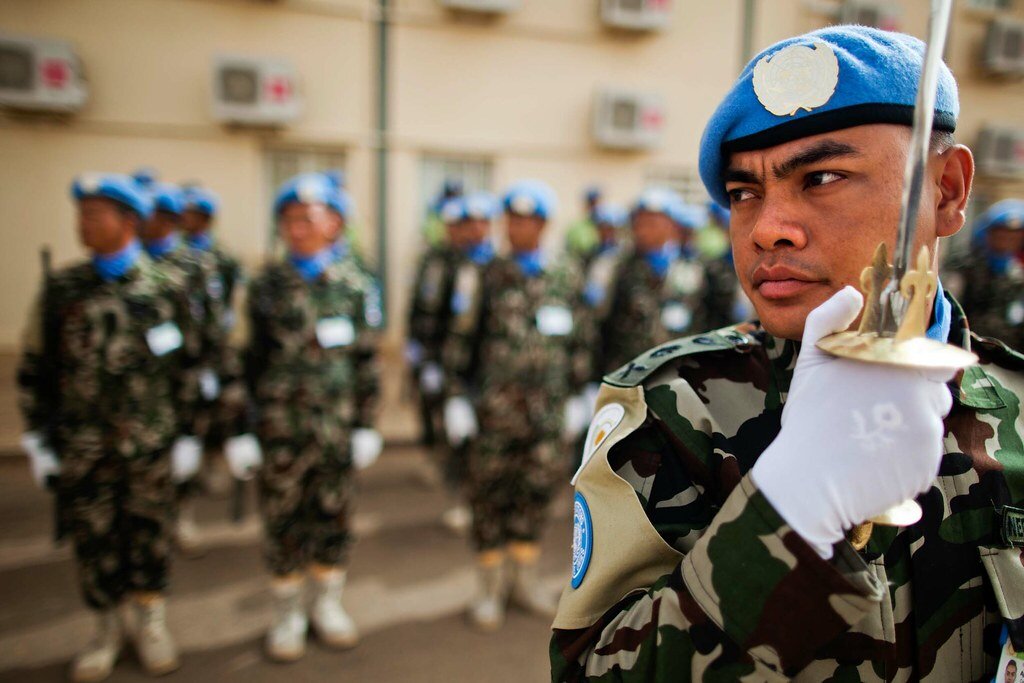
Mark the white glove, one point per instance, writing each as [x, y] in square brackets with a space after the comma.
[366, 447]
[459, 420]
[244, 456]
[186, 457]
[577, 414]
[431, 379]
[41, 457]
[856, 438]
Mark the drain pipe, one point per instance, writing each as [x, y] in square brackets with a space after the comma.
[383, 31]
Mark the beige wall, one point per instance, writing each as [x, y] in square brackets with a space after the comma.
[516, 90]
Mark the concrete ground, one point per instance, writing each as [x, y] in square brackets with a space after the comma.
[409, 582]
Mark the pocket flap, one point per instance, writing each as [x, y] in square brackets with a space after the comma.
[1005, 568]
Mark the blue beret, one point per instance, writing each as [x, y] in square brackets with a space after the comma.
[607, 213]
[480, 206]
[313, 188]
[452, 211]
[336, 177]
[690, 216]
[658, 200]
[200, 199]
[1008, 213]
[145, 176]
[115, 187]
[592, 194]
[829, 79]
[530, 198]
[167, 198]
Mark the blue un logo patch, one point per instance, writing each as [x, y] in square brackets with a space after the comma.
[582, 539]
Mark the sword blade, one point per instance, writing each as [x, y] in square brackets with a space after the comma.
[893, 302]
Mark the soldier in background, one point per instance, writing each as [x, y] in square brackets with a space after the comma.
[428, 320]
[989, 281]
[105, 398]
[312, 371]
[661, 289]
[517, 355]
[581, 238]
[433, 225]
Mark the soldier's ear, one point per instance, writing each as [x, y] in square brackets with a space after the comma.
[954, 176]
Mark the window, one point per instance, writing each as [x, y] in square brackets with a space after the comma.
[474, 174]
[685, 181]
[989, 4]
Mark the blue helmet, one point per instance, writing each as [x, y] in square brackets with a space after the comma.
[115, 187]
[167, 197]
[200, 199]
[313, 188]
[530, 198]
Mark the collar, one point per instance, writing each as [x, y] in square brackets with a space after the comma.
[201, 242]
[160, 248]
[531, 263]
[480, 253]
[311, 267]
[113, 266]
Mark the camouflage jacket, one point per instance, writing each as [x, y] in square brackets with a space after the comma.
[647, 309]
[430, 309]
[747, 598]
[994, 303]
[104, 364]
[311, 359]
[509, 331]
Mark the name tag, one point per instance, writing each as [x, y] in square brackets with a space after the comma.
[164, 338]
[554, 321]
[1012, 526]
[335, 332]
[676, 317]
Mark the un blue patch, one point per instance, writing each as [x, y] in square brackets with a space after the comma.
[582, 539]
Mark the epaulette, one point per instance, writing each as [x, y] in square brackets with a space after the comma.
[996, 351]
[643, 366]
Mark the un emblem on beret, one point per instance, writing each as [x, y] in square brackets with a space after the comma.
[523, 205]
[309, 192]
[796, 77]
[90, 183]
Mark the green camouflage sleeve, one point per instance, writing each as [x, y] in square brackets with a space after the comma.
[462, 345]
[36, 372]
[583, 359]
[186, 378]
[367, 370]
[749, 598]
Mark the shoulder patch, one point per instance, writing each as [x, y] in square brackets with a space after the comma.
[643, 366]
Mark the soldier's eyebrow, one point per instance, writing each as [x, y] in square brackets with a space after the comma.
[825, 150]
[739, 175]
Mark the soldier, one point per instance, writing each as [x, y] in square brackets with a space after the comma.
[433, 225]
[516, 355]
[428, 319]
[661, 289]
[104, 397]
[989, 282]
[311, 367]
[582, 237]
[199, 271]
[723, 470]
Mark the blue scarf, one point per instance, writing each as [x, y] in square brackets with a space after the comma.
[161, 247]
[481, 253]
[660, 259]
[942, 316]
[113, 266]
[201, 242]
[311, 267]
[999, 264]
[531, 263]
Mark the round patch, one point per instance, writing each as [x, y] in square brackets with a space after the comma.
[309, 192]
[676, 317]
[796, 77]
[582, 539]
[90, 183]
[601, 427]
[523, 205]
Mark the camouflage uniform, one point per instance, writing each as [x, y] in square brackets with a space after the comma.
[429, 314]
[994, 303]
[648, 309]
[519, 377]
[110, 408]
[312, 372]
[732, 593]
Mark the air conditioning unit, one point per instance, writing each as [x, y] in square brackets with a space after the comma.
[39, 74]
[1000, 152]
[637, 15]
[628, 120]
[486, 6]
[255, 91]
[1004, 47]
[875, 14]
